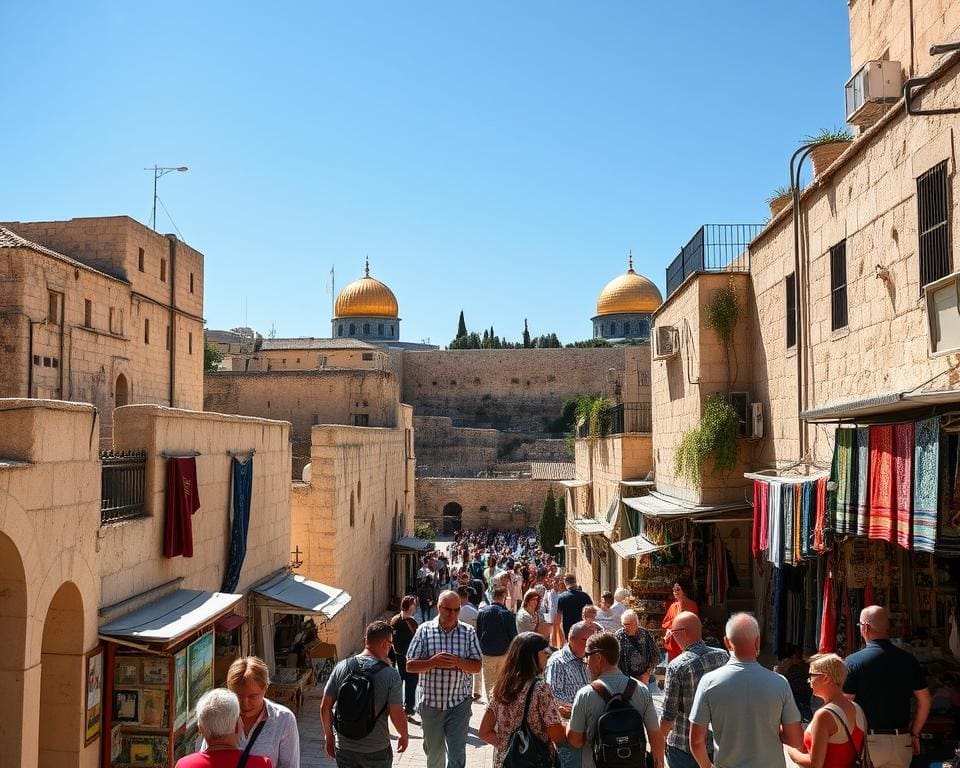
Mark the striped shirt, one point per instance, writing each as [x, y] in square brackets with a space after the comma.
[683, 676]
[444, 688]
[566, 674]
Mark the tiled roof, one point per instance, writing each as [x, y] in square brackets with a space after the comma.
[309, 342]
[552, 470]
[10, 239]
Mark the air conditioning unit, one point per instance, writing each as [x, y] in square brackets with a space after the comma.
[943, 314]
[756, 420]
[668, 342]
[870, 92]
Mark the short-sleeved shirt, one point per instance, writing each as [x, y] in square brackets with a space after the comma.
[507, 717]
[746, 704]
[683, 675]
[883, 679]
[279, 739]
[570, 604]
[588, 705]
[444, 688]
[566, 673]
[386, 692]
[222, 758]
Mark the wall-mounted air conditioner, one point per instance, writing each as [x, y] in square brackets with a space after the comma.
[943, 314]
[756, 420]
[668, 342]
[870, 92]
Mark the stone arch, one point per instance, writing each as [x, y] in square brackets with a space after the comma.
[121, 391]
[452, 518]
[13, 639]
[62, 680]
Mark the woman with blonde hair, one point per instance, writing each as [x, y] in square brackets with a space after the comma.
[837, 734]
[529, 617]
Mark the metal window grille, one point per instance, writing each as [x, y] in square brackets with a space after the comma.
[122, 480]
[932, 210]
[838, 285]
[791, 302]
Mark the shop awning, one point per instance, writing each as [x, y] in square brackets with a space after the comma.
[635, 546]
[170, 617]
[303, 595]
[588, 526]
[881, 405]
[662, 506]
[412, 543]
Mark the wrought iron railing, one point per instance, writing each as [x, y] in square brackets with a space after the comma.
[714, 248]
[122, 481]
[630, 418]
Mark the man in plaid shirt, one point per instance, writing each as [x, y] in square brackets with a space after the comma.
[683, 676]
[566, 673]
[445, 653]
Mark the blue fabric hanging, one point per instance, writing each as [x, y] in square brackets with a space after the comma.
[242, 473]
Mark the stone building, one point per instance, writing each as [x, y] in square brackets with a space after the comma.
[100, 310]
[367, 309]
[624, 308]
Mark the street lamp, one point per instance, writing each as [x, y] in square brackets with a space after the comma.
[158, 171]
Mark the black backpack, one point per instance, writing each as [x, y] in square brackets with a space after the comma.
[621, 740]
[353, 714]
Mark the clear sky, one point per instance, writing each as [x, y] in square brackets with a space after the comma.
[495, 157]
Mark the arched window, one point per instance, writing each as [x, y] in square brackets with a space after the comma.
[626, 329]
[353, 329]
[121, 391]
[380, 329]
[366, 329]
[391, 330]
[643, 327]
[340, 330]
[613, 329]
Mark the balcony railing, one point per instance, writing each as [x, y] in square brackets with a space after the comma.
[626, 418]
[714, 248]
[122, 481]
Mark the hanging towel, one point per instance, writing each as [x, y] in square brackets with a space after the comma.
[863, 480]
[820, 516]
[948, 523]
[797, 522]
[183, 499]
[788, 505]
[828, 626]
[844, 472]
[881, 484]
[758, 512]
[242, 475]
[925, 485]
[764, 516]
[903, 448]
[807, 512]
[775, 526]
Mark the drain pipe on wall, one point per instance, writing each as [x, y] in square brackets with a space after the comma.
[919, 82]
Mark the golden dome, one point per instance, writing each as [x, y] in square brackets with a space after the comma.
[366, 297]
[629, 293]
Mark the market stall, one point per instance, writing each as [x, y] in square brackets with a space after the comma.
[404, 563]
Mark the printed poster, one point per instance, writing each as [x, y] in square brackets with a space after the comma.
[199, 669]
[180, 689]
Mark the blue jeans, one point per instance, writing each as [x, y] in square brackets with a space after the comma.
[445, 734]
[426, 612]
[680, 758]
[569, 757]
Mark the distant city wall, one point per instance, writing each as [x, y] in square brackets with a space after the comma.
[483, 501]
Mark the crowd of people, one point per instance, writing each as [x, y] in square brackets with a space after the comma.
[574, 679]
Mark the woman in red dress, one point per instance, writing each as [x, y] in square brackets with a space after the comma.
[826, 742]
[681, 603]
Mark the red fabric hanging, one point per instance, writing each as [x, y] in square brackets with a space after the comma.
[758, 540]
[903, 448]
[882, 484]
[828, 626]
[183, 499]
[820, 520]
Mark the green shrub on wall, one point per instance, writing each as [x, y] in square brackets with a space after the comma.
[715, 438]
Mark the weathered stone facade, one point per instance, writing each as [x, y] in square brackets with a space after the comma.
[483, 501]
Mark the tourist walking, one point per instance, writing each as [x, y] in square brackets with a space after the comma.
[566, 673]
[529, 617]
[404, 626]
[682, 602]
[836, 735]
[603, 654]
[605, 617]
[639, 652]
[468, 615]
[496, 627]
[570, 604]
[884, 679]
[279, 739]
[750, 708]
[217, 714]
[518, 693]
[357, 687]
[426, 595]
[444, 652]
[683, 676]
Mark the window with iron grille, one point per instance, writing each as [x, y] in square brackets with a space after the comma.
[838, 285]
[791, 302]
[932, 208]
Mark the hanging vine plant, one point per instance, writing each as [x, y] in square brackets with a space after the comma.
[722, 314]
[594, 412]
[715, 438]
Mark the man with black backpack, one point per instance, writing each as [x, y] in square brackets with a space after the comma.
[613, 718]
[359, 693]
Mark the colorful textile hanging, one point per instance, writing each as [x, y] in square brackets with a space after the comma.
[903, 448]
[183, 499]
[828, 624]
[775, 526]
[845, 472]
[787, 503]
[807, 518]
[820, 517]
[798, 521]
[925, 485]
[948, 520]
[242, 474]
[882, 484]
[863, 480]
[758, 539]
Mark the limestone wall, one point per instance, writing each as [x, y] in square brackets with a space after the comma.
[359, 498]
[484, 501]
[448, 451]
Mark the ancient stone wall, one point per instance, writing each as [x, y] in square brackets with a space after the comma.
[483, 501]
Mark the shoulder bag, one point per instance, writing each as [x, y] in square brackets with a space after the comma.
[253, 737]
[525, 749]
[862, 758]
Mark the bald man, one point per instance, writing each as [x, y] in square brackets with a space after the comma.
[683, 676]
[751, 709]
[883, 679]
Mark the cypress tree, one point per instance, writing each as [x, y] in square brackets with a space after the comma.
[551, 523]
[461, 326]
[526, 335]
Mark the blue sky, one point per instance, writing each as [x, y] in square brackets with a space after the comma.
[495, 157]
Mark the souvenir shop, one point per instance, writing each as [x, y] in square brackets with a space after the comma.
[881, 525]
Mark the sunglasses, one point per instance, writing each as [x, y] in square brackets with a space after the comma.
[588, 654]
[815, 675]
[451, 610]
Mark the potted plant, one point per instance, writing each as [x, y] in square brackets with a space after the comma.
[779, 199]
[827, 147]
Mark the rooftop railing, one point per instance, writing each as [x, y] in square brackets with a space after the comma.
[714, 248]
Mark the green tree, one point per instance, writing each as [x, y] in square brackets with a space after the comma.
[552, 522]
[212, 357]
[461, 327]
[526, 335]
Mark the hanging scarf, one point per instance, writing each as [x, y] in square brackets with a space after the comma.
[843, 465]
[797, 522]
[828, 626]
[925, 485]
[863, 480]
[758, 535]
[807, 514]
[820, 517]
[903, 449]
[882, 484]
[788, 507]
[775, 526]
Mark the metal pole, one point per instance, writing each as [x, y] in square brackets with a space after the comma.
[155, 177]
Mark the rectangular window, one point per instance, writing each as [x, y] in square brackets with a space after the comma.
[932, 209]
[791, 302]
[361, 420]
[146, 331]
[53, 307]
[191, 282]
[367, 355]
[88, 313]
[189, 343]
[838, 286]
[140, 259]
[163, 270]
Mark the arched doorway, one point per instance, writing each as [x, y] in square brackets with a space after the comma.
[13, 639]
[62, 705]
[121, 392]
[452, 518]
